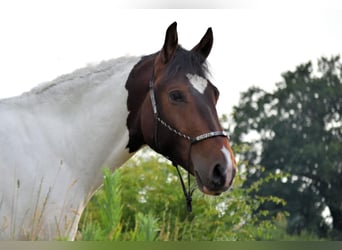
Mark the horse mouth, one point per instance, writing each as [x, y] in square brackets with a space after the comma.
[204, 189]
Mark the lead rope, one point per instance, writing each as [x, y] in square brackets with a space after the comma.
[187, 193]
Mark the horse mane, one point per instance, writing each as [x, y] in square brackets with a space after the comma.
[82, 77]
[107, 66]
[185, 62]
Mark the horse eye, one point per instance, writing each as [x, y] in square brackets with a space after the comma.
[176, 96]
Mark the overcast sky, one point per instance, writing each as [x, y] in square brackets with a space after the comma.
[40, 40]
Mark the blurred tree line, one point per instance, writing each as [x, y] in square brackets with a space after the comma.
[289, 148]
[297, 129]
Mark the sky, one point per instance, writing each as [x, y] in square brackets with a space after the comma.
[253, 44]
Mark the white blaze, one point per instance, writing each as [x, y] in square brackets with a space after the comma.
[226, 153]
[198, 82]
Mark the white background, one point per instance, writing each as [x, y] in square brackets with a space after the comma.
[253, 44]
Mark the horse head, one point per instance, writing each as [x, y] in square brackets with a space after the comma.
[177, 114]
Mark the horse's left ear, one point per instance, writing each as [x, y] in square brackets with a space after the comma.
[205, 45]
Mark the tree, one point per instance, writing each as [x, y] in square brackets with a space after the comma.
[299, 128]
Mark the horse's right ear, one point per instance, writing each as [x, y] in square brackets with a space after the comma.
[205, 45]
[170, 43]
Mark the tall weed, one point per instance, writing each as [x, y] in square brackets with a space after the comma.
[103, 218]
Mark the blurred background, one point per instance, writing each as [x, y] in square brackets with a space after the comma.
[280, 76]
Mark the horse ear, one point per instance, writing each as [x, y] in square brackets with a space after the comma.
[170, 44]
[205, 45]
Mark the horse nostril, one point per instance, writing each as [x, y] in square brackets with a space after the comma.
[219, 176]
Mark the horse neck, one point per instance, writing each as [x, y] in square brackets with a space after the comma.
[87, 114]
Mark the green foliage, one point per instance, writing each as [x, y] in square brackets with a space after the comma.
[279, 232]
[299, 132]
[149, 205]
[110, 201]
[146, 228]
[107, 203]
[104, 215]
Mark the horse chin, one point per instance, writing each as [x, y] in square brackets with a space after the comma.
[205, 190]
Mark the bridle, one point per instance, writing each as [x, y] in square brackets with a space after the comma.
[192, 140]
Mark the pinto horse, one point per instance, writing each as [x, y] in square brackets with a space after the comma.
[55, 139]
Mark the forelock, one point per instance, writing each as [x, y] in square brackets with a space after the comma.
[186, 62]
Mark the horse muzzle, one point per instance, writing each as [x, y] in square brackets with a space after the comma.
[215, 178]
[217, 185]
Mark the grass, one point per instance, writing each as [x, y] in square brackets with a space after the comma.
[108, 226]
[15, 229]
[32, 225]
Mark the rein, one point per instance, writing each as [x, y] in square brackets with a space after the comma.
[192, 140]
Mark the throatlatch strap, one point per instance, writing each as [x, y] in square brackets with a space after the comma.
[187, 193]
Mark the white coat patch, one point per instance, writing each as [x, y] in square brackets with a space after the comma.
[54, 140]
[198, 82]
